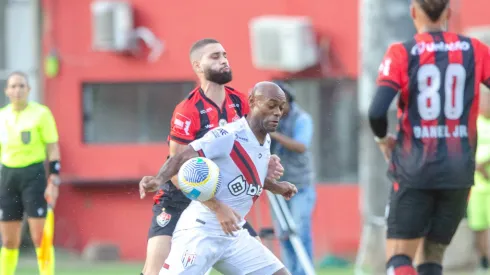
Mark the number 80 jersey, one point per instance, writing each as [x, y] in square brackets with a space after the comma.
[243, 164]
[438, 75]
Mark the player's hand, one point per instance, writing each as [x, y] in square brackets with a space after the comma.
[387, 145]
[275, 169]
[228, 219]
[148, 184]
[288, 190]
[483, 171]
[52, 190]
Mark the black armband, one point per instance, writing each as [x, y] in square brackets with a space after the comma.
[54, 167]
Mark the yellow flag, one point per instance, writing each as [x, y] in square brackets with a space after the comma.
[45, 255]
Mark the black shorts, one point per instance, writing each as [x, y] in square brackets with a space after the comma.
[431, 213]
[166, 215]
[22, 190]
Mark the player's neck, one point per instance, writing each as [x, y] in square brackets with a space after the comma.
[214, 91]
[259, 133]
[431, 28]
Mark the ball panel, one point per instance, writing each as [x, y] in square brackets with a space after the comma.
[199, 178]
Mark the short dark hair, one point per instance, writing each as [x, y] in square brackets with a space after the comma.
[201, 43]
[433, 8]
[18, 73]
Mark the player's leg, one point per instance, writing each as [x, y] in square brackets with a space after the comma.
[11, 212]
[449, 209]
[194, 252]
[408, 217]
[478, 221]
[246, 255]
[33, 182]
[162, 227]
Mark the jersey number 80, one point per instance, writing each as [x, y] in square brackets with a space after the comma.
[429, 99]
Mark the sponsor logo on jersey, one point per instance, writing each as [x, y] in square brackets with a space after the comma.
[237, 137]
[239, 186]
[422, 47]
[164, 218]
[182, 124]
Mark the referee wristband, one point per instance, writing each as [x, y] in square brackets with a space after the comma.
[54, 167]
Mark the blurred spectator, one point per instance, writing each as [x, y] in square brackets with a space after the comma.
[291, 143]
[479, 202]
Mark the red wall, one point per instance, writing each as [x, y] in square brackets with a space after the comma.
[114, 213]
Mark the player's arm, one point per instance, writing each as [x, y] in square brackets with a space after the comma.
[214, 144]
[173, 164]
[302, 135]
[485, 59]
[389, 82]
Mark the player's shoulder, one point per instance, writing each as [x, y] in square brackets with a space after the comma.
[235, 93]
[188, 104]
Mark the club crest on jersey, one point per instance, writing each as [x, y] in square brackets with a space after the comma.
[188, 259]
[164, 218]
[222, 122]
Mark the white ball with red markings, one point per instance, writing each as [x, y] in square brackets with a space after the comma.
[199, 178]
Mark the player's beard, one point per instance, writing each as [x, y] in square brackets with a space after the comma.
[218, 77]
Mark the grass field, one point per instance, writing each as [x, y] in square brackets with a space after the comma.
[69, 264]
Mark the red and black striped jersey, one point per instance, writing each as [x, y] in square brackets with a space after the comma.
[438, 75]
[198, 114]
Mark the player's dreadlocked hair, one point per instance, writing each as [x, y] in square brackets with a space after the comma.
[433, 8]
[201, 43]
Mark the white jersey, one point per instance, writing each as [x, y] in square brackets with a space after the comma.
[243, 164]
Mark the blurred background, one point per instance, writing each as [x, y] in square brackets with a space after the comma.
[112, 73]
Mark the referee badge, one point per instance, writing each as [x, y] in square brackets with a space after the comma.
[164, 218]
[26, 137]
[222, 122]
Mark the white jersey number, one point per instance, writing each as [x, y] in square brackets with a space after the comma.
[429, 83]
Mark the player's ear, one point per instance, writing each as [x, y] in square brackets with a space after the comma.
[413, 12]
[448, 14]
[197, 66]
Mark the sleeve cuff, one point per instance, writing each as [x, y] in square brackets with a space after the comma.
[180, 140]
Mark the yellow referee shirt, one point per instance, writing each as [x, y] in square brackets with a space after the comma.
[482, 153]
[24, 134]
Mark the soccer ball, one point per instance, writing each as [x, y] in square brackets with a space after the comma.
[199, 178]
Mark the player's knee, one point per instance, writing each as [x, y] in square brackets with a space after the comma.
[10, 242]
[400, 265]
[433, 252]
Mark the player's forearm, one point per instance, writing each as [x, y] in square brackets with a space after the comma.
[173, 164]
[378, 111]
[271, 185]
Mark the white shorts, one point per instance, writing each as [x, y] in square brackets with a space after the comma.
[195, 251]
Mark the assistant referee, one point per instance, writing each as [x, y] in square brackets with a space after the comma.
[28, 137]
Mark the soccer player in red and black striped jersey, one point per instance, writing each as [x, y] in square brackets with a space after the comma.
[210, 105]
[432, 159]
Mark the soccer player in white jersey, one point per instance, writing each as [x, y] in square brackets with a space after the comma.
[209, 234]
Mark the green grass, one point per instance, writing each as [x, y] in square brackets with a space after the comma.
[69, 264]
